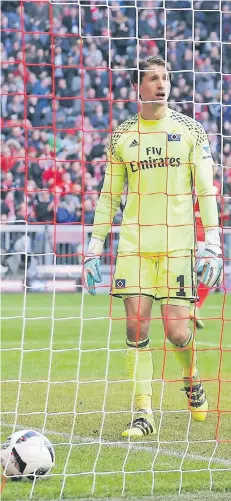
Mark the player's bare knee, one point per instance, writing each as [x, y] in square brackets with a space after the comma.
[177, 336]
[137, 330]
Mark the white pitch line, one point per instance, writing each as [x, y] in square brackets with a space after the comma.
[118, 342]
[92, 307]
[163, 451]
[114, 342]
[213, 345]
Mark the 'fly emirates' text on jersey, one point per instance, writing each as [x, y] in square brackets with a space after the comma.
[163, 162]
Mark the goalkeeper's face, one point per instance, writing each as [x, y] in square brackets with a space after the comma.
[155, 85]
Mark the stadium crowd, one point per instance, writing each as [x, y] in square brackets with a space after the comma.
[66, 85]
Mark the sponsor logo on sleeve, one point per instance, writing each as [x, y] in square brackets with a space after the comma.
[174, 137]
[206, 152]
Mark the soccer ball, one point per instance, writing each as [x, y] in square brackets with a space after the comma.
[27, 453]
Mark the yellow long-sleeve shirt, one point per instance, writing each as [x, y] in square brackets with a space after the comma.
[163, 161]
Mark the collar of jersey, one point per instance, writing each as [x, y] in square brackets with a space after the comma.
[143, 120]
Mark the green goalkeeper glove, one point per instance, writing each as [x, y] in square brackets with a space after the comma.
[92, 273]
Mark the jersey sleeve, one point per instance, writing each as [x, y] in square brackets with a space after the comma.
[111, 193]
[202, 169]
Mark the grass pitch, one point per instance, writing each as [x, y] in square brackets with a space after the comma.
[70, 381]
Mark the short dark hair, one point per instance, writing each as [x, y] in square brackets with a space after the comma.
[144, 64]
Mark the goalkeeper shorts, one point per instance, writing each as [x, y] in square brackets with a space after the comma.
[161, 276]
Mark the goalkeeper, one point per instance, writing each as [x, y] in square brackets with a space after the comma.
[162, 155]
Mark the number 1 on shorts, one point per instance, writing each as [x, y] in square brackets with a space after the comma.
[181, 292]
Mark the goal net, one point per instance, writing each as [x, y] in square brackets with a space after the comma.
[66, 69]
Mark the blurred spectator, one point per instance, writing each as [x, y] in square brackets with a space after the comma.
[16, 108]
[31, 199]
[93, 55]
[10, 204]
[91, 105]
[34, 170]
[76, 171]
[88, 211]
[52, 176]
[66, 182]
[4, 210]
[65, 92]
[19, 181]
[7, 160]
[71, 21]
[22, 213]
[99, 120]
[44, 208]
[68, 210]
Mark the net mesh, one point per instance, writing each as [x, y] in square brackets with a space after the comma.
[63, 355]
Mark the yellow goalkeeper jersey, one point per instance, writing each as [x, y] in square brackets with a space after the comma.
[162, 162]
